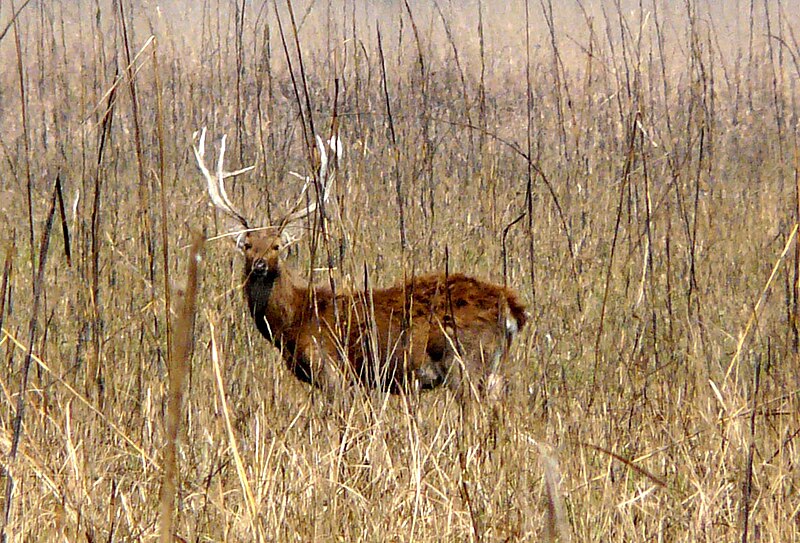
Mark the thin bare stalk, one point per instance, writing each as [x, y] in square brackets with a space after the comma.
[398, 184]
[94, 370]
[623, 190]
[747, 484]
[529, 152]
[8, 270]
[163, 197]
[13, 19]
[64, 224]
[38, 286]
[178, 368]
[255, 523]
[23, 98]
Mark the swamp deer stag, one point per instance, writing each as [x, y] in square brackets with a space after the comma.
[432, 330]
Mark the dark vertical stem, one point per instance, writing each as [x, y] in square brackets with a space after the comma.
[38, 284]
[64, 226]
[144, 207]
[482, 85]
[356, 69]
[12, 21]
[547, 12]
[307, 138]
[299, 52]
[505, 250]
[750, 60]
[265, 115]
[623, 190]
[95, 371]
[239, 42]
[747, 483]
[650, 254]
[395, 151]
[144, 219]
[162, 192]
[668, 274]
[427, 144]
[529, 151]
[25, 136]
[112, 506]
[777, 101]
[8, 269]
[693, 287]
[796, 282]
[462, 78]
[475, 520]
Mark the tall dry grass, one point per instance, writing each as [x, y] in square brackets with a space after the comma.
[653, 147]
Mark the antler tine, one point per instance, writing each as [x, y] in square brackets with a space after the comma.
[324, 180]
[216, 184]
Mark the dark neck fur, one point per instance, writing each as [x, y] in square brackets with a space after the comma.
[258, 291]
[275, 302]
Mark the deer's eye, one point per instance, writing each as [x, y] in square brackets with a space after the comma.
[276, 247]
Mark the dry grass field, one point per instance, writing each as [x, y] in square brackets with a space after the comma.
[649, 150]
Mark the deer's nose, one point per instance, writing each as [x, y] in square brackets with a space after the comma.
[260, 265]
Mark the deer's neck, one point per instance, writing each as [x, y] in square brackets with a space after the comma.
[275, 300]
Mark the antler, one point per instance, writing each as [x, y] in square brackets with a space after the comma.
[216, 184]
[325, 180]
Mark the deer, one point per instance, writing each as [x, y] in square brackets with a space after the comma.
[430, 330]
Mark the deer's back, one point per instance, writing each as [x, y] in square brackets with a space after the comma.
[470, 301]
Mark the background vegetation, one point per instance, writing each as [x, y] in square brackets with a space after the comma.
[651, 146]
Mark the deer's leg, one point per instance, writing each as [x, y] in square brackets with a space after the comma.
[432, 366]
[494, 384]
[325, 373]
[494, 387]
[443, 363]
[455, 370]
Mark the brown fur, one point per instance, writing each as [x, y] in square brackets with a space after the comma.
[429, 331]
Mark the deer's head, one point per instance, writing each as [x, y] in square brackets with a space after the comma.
[262, 247]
